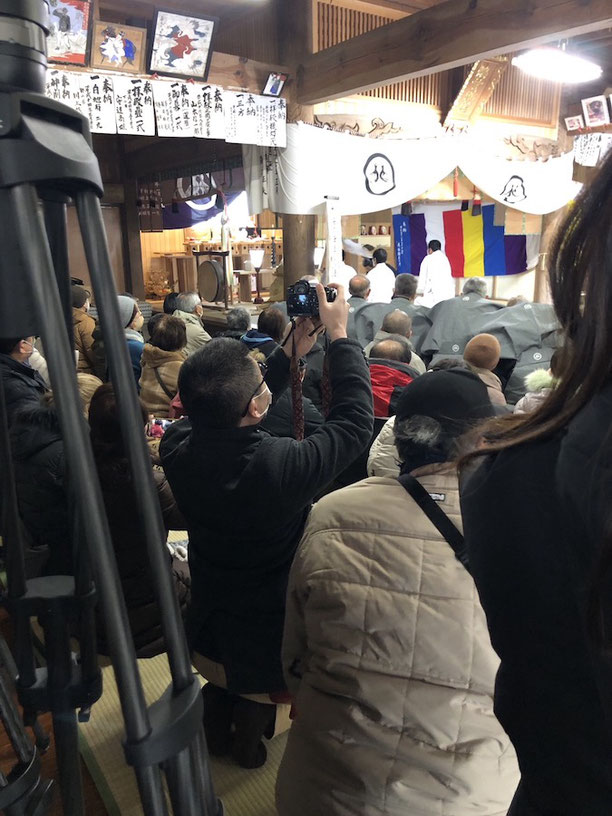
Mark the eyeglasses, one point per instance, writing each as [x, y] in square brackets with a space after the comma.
[263, 369]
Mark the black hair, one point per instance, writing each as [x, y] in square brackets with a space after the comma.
[170, 302]
[380, 255]
[8, 344]
[106, 438]
[272, 322]
[215, 383]
[434, 245]
[154, 320]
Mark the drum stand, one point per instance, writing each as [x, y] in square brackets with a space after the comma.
[45, 160]
[227, 293]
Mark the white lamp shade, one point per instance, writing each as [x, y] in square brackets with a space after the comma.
[257, 257]
[557, 65]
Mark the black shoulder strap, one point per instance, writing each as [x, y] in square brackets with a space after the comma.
[164, 388]
[437, 516]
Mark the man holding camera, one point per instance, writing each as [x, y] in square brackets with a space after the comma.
[246, 495]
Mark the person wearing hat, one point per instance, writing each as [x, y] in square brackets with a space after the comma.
[483, 353]
[132, 320]
[84, 326]
[386, 649]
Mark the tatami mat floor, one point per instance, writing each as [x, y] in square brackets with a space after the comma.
[244, 793]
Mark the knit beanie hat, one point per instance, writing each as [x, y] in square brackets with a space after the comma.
[79, 295]
[483, 351]
[455, 398]
[126, 309]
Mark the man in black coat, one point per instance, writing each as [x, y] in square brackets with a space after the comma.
[23, 385]
[246, 495]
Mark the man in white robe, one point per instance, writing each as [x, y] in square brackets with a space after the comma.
[436, 282]
[382, 279]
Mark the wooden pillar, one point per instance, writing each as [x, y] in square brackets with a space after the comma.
[130, 225]
[295, 36]
[550, 223]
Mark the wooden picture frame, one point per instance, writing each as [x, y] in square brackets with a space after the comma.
[595, 110]
[181, 45]
[118, 48]
[574, 123]
[70, 32]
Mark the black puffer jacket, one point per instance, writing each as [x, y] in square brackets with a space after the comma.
[38, 456]
[23, 385]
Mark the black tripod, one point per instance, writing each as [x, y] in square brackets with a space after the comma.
[45, 160]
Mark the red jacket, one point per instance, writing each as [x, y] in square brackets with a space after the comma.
[389, 377]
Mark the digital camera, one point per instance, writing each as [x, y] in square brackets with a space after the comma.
[303, 301]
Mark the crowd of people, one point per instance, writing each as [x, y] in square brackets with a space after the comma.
[398, 521]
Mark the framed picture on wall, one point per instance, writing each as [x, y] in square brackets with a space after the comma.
[274, 84]
[118, 47]
[181, 45]
[574, 123]
[595, 110]
[69, 29]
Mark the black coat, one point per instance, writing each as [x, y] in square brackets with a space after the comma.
[246, 496]
[533, 572]
[130, 546]
[23, 385]
[38, 458]
[279, 419]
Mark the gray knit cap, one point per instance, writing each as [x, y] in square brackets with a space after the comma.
[126, 309]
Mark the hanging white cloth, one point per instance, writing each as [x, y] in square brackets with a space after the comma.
[369, 175]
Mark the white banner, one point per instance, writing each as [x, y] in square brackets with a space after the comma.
[134, 106]
[131, 105]
[369, 175]
[365, 174]
[173, 109]
[334, 239]
[207, 107]
[535, 187]
[97, 102]
[64, 86]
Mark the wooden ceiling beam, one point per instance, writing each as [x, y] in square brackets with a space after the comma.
[451, 34]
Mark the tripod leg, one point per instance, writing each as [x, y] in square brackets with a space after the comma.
[96, 250]
[65, 729]
[26, 223]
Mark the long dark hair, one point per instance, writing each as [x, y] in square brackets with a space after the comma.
[580, 271]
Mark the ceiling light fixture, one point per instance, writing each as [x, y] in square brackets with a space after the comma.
[557, 65]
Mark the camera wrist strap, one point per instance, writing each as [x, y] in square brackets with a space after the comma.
[297, 399]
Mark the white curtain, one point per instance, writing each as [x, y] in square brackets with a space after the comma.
[368, 175]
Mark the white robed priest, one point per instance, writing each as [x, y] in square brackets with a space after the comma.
[436, 281]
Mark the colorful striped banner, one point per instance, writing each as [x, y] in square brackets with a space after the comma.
[473, 244]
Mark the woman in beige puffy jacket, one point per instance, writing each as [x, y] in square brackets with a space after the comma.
[386, 646]
[161, 361]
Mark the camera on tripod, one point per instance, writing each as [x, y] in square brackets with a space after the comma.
[303, 301]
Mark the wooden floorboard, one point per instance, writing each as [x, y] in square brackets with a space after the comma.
[94, 806]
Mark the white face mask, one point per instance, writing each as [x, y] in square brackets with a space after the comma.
[269, 395]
